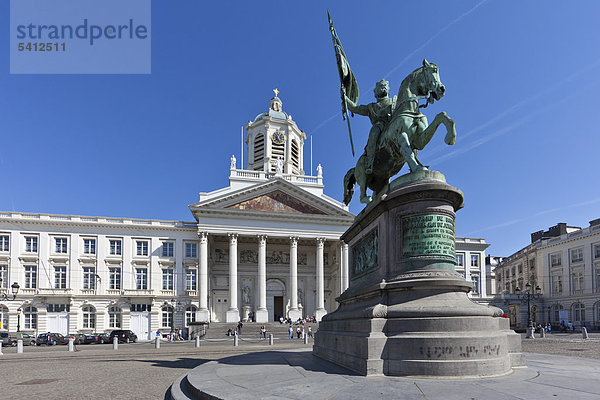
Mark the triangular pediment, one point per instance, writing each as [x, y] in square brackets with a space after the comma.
[276, 201]
[274, 197]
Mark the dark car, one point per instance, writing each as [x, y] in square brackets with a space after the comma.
[90, 338]
[124, 336]
[103, 338]
[56, 338]
[78, 338]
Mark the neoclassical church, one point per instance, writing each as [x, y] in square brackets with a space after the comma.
[267, 245]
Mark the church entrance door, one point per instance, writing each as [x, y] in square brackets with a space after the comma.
[278, 305]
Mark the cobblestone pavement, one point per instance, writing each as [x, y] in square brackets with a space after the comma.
[139, 371]
[135, 371]
[564, 344]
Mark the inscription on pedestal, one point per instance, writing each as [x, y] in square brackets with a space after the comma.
[428, 235]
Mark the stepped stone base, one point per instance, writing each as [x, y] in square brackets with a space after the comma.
[406, 312]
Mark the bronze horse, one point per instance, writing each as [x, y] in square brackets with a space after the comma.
[406, 134]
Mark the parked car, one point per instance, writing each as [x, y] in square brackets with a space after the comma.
[103, 338]
[124, 336]
[78, 338]
[28, 340]
[6, 338]
[56, 338]
[90, 338]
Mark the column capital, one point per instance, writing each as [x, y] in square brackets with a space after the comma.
[294, 240]
[203, 236]
[262, 238]
[320, 241]
[232, 238]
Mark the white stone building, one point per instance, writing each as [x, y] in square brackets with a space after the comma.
[267, 245]
[565, 263]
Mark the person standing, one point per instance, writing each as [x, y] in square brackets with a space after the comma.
[291, 332]
[310, 332]
[239, 327]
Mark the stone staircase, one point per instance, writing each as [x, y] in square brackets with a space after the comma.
[218, 330]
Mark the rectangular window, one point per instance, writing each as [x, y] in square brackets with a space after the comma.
[167, 279]
[474, 260]
[167, 249]
[60, 277]
[520, 268]
[4, 276]
[596, 252]
[114, 278]
[191, 250]
[141, 278]
[167, 317]
[115, 247]
[4, 242]
[60, 245]
[475, 280]
[555, 260]
[89, 277]
[141, 248]
[31, 243]
[532, 265]
[89, 246]
[460, 260]
[30, 276]
[556, 284]
[578, 283]
[190, 279]
[576, 255]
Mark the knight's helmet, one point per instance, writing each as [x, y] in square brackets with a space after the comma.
[382, 89]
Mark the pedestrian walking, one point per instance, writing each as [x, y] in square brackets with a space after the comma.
[291, 332]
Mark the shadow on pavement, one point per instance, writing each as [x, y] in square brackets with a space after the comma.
[183, 363]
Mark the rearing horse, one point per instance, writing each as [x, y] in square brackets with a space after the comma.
[406, 134]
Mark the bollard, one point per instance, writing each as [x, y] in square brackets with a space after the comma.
[197, 342]
[305, 339]
[543, 333]
[115, 343]
[270, 339]
[71, 344]
[157, 343]
[584, 332]
[236, 340]
[1, 353]
[19, 346]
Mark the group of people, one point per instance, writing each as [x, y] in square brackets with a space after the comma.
[235, 331]
[547, 328]
[174, 336]
[298, 321]
[300, 332]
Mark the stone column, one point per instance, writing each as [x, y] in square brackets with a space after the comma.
[294, 313]
[345, 267]
[262, 315]
[320, 311]
[233, 314]
[203, 313]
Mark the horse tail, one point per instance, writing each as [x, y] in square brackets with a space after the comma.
[349, 182]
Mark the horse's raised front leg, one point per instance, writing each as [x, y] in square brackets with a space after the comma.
[427, 133]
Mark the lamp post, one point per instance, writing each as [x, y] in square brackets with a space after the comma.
[14, 289]
[18, 320]
[526, 296]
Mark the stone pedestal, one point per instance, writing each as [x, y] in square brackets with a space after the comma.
[246, 313]
[203, 315]
[406, 311]
[232, 316]
[294, 314]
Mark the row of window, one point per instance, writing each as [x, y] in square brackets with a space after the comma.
[115, 246]
[578, 312]
[576, 256]
[30, 316]
[90, 278]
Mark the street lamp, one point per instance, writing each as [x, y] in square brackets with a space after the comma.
[526, 296]
[14, 288]
[18, 320]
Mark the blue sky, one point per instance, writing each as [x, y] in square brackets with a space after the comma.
[521, 83]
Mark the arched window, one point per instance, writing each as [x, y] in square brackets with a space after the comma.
[578, 312]
[190, 315]
[3, 318]
[89, 317]
[167, 317]
[114, 317]
[30, 315]
[259, 150]
[295, 154]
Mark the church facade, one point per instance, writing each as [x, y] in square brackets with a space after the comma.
[264, 247]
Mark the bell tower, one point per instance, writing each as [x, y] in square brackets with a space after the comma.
[274, 142]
